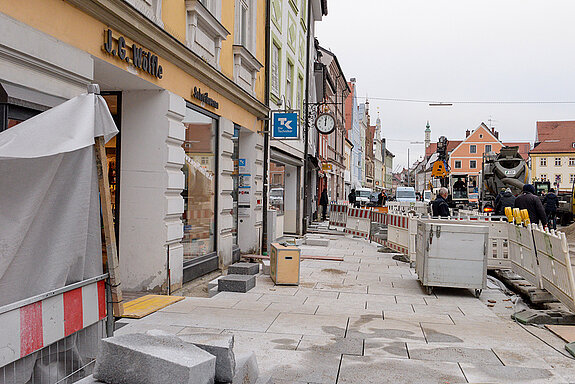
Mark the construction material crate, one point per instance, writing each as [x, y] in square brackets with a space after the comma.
[451, 255]
[284, 264]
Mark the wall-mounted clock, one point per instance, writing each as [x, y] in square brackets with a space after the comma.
[325, 123]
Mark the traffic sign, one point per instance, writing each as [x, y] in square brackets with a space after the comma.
[285, 125]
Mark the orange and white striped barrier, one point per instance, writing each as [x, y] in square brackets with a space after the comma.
[398, 232]
[358, 222]
[32, 324]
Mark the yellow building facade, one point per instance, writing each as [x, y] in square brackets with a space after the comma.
[185, 82]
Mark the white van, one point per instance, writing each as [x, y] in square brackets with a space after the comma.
[405, 194]
[362, 196]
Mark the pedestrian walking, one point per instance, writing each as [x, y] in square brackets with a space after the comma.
[324, 201]
[351, 197]
[380, 199]
[551, 203]
[506, 199]
[529, 201]
[439, 206]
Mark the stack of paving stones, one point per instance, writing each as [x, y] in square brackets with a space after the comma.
[160, 358]
[241, 278]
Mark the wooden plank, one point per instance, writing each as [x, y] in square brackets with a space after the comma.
[143, 306]
[303, 257]
[566, 332]
[112, 261]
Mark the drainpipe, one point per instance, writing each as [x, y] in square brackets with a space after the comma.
[266, 129]
[306, 187]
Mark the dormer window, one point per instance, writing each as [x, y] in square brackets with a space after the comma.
[204, 32]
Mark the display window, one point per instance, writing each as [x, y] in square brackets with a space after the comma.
[200, 184]
[277, 188]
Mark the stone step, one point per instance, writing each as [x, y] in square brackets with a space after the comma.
[214, 282]
[236, 283]
[244, 269]
[167, 359]
[213, 291]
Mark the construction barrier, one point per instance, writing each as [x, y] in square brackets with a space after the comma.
[378, 232]
[40, 322]
[358, 222]
[417, 207]
[338, 214]
[522, 253]
[398, 232]
[555, 266]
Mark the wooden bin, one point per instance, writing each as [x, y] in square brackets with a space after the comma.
[284, 264]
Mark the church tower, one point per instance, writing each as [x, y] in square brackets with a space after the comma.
[427, 135]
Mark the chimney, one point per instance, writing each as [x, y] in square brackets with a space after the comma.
[467, 133]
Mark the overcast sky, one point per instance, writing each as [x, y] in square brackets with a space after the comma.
[456, 50]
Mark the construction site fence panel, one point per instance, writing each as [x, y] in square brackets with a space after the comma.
[398, 232]
[522, 253]
[53, 337]
[358, 222]
[418, 207]
[555, 264]
[338, 214]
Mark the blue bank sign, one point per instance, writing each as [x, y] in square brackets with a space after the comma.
[285, 125]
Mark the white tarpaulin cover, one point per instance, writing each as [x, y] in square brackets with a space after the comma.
[49, 200]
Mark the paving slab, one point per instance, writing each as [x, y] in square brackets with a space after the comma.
[385, 348]
[299, 366]
[321, 325]
[381, 370]
[452, 353]
[333, 345]
[368, 326]
[305, 308]
[500, 374]
[245, 342]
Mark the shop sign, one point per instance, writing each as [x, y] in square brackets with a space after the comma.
[141, 59]
[285, 125]
[243, 166]
[204, 98]
[327, 167]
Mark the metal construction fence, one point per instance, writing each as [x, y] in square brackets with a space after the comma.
[53, 337]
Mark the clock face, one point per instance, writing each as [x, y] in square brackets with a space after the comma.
[325, 123]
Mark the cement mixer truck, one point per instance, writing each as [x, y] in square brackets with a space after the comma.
[506, 169]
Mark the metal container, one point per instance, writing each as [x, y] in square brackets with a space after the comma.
[451, 255]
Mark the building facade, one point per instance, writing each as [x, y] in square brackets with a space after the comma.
[186, 86]
[553, 156]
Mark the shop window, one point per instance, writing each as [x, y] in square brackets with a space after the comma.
[199, 189]
[543, 162]
[277, 188]
[473, 148]
[557, 161]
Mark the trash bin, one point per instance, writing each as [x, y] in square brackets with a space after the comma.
[284, 264]
[451, 255]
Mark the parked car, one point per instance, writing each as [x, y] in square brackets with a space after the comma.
[405, 194]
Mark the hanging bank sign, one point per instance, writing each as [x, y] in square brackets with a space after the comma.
[139, 58]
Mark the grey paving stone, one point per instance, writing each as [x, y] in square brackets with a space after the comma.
[381, 370]
[237, 283]
[321, 325]
[247, 371]
[383, 347]
[334, 345]
[317, 242]
[453, 353]
[505, 375]
[140, 358]
[244, 269]
[219, 345]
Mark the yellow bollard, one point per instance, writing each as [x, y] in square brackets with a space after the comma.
[525, 217]
[517, 216]
[509, 214]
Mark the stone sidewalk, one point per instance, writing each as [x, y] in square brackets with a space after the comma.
[367, 320]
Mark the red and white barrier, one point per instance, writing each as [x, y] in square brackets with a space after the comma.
[32, 324]
[358, 222]
[398, 232]
[338, 214]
